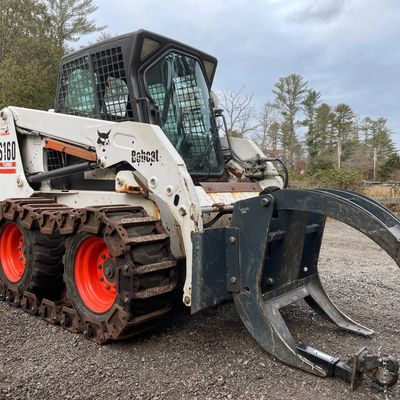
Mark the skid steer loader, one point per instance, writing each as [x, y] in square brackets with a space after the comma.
[126, 194]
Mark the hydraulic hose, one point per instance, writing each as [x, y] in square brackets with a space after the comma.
[285, 169]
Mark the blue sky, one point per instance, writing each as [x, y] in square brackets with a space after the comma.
[347, 49]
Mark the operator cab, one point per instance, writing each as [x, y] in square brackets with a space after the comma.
[147, 78]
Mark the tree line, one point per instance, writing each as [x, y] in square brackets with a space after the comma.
[296, 125]
[34, 35]
[310, 134]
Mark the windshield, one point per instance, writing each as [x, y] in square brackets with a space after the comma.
[177, 85]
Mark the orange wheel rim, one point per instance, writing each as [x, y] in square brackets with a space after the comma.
[12, 256]
[96, 292]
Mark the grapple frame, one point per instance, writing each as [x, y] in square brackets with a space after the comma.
[268, 259]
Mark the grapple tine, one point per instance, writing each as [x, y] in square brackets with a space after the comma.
[266, 325]
[355, 210]
[371, 205]
[321, 301]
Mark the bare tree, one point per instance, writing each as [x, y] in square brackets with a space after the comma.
[239, 111]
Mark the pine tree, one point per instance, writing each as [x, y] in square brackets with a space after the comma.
[312, 141]
[378, 136]
[289, 93]
[28, 60]
[33, 37]
[344, 130]
[70, 19]
[267, 132]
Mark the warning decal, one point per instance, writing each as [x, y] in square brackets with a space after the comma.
[8, 167]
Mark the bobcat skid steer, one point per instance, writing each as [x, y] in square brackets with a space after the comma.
[125, 195]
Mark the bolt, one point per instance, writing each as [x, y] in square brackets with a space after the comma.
[232, 239]
[264, 202]
[19, 248]
[62, 322]
[182, 211]
[126, 299]
[20, 182]
[103, 256]
[16, 301]
[186, 300]
[270, 281]
[99, 267]
[126, 267]
[153, 182]
[20, 257]
[107, 287]
[101, 279]
[305, 269]
[233, 279]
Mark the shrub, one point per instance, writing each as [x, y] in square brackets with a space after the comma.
[342, 179]
[389, 166]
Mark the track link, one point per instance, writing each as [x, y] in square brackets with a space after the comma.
[145, 272]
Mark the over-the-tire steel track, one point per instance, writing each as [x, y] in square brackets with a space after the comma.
[143, 270]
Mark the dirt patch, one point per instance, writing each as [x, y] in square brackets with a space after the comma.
[211, 356]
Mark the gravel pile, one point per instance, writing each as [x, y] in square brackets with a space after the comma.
[211, 356]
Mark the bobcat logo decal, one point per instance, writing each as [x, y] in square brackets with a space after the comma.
[104, 139]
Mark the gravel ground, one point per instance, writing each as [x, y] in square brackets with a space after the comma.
[211, 356]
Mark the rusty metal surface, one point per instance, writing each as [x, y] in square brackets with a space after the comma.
[224, 187]
[122, 227]
[146, 293]
[68, 148]
[70, 319]
[229, 198]
[30, 303]
[144, 269]
[50, 310]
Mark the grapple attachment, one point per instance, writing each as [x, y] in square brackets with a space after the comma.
[268, 258]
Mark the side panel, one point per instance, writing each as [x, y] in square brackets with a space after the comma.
[210, 267]
[12, 178]
[157, 166]
[162, 171]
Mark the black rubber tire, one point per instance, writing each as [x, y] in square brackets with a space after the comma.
[148, 254]
[44, 268]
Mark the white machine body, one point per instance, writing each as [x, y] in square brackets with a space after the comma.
[159, 180]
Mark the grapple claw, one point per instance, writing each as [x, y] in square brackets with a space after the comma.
[271, 260]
